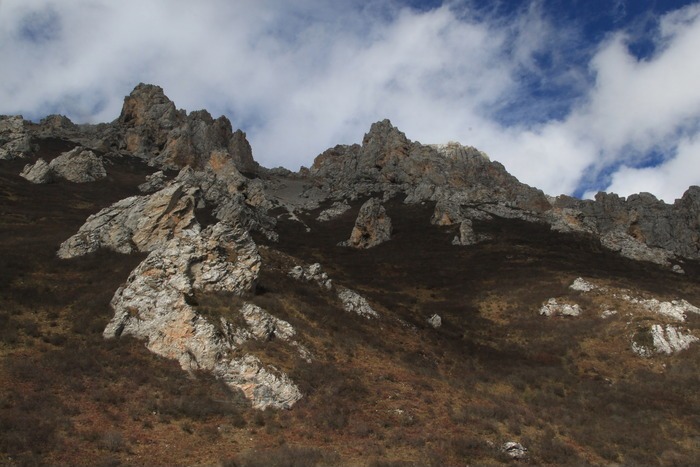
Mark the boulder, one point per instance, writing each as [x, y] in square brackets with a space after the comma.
[372, 226]
[338, 208]
[435, 321]
[514, 450]
[313, 272]
[660, 339]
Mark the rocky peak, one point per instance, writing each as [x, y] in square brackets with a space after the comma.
[148, 105]
[154, 129]
[389, 162]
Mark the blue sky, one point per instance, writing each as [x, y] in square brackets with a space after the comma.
[572, 96]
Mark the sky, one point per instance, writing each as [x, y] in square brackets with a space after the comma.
[571, 96]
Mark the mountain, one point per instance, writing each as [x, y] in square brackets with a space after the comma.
[168, 301]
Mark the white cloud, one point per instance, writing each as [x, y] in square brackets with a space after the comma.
[302, 76]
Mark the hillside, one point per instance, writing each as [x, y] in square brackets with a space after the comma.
[394, 304]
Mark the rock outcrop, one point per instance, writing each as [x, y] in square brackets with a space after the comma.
[155, 304]
[78, 165]
[356, 303]
[661, 339]
[154, 129]
[314, 273]
[372, 226]
[554, 308]
[641, 227]
[137, 223]
[389, 162]
[15, 139]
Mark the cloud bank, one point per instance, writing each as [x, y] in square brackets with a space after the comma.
[561, 113]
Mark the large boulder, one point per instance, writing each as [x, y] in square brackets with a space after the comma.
[372, 226]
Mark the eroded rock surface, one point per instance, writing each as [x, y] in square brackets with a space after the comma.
[356, 303]
[372, 226]
[154, 305]
[154, 129]
[137, 223]
[78, 165]
[554, 308]
[15, 139]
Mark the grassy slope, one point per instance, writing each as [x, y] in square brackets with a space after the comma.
[392, 390]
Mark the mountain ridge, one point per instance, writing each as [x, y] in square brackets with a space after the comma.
[391, 291]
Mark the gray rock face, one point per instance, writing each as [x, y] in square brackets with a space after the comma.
[15, 139]
[389, 162]
[372, 227]
[138, 223]
[79, 165]
[154, 129]
[674, 228]
[632, 248]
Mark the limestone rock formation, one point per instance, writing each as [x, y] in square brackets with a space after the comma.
[666, 340]
[666, 229]
[356, 303]
[154, 182]
[372, 226]
[554, 308]
[39, 172]
[154, 305]
[137, 223]
[389, 162]
[314, 273]
[78, 165]
[154, 129]
[15, 139]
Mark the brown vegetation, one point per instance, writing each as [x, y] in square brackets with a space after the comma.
[386, 392]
